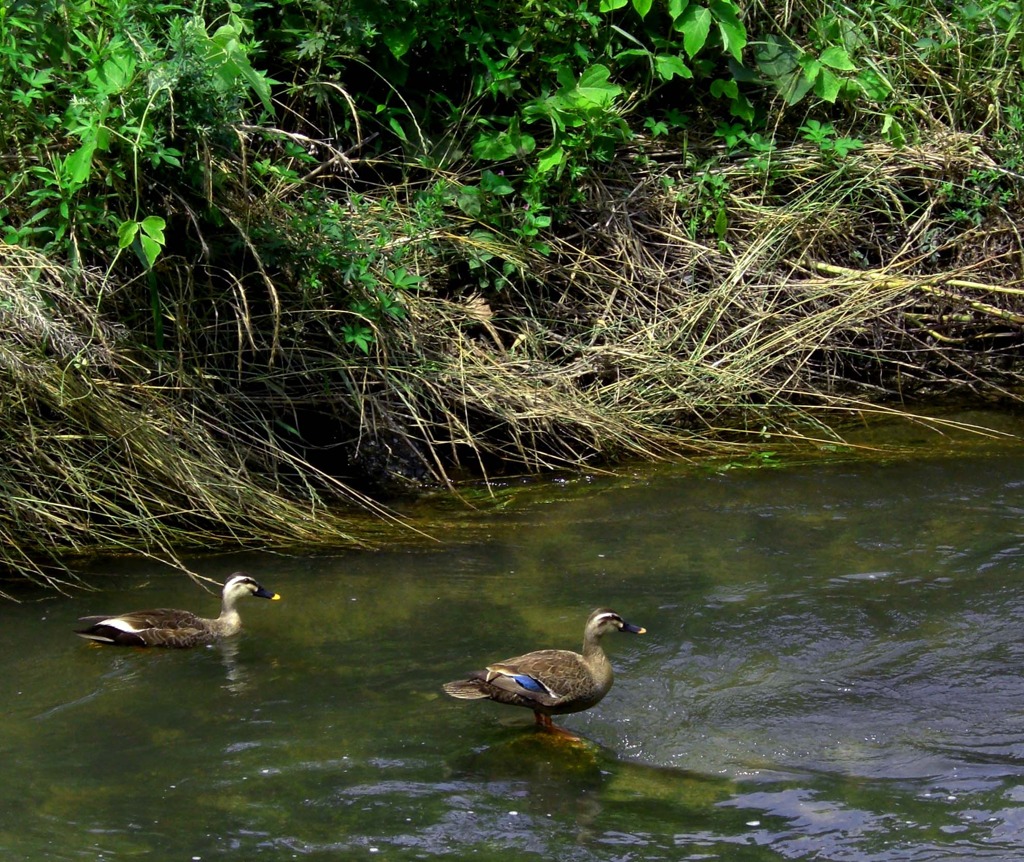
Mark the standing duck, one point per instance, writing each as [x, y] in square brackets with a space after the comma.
[168, 627]
[550, 681]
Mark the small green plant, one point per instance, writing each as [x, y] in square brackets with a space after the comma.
[821, 63]
[146, 237]
[738, 139]
[978, 196]
[583, 117]
[796, 72]
[489, 201]
[380, 303]
[823, 136]
[359, 335]
[707, 201]
[667, 123]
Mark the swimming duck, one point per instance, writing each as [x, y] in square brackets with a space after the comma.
[550, 681]
[168, 627]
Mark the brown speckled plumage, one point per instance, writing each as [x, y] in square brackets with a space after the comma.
[172, 628]
[550, 681]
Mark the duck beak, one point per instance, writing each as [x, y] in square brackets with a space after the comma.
[632, 629]
[266, 594]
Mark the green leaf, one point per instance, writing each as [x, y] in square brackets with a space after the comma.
[837, 58]
[843, 146]
[657, 128]
[79, 164]
[734, 34]
[612, 5]
[126, 232]
[227, 54]
[816, 131]
[402, 279]
[642, 7]
[893, 131]
[695, 25]
[499, 146]
[399, 40]
[150, 235]
[775, 58]
[723, 87]
[721, 223]
[470, 201]
[594, 86]
[495, 184]
[794, 87]
[396, 127]
[875, 86]
[493, 146]
[742, 108]
[632, 53]
[118, 70]
[565, 76]
[150, 250]
[668, 66]
[551, 158]
[676, 8]
[153, 227]
[827, 86]
[359, 335]
[811, 67]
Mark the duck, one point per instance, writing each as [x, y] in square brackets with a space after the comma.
[177, 629]
[550, 681]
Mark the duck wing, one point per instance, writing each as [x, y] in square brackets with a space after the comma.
[156, 627]
[546, 677]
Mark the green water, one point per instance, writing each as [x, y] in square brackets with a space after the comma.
[832, 671]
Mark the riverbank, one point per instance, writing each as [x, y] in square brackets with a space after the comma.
[271, 309]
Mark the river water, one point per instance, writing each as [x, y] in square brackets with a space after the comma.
[833, 670]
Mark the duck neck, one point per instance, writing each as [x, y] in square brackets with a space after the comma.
[592, 652]
[596, 662]
[229, 622]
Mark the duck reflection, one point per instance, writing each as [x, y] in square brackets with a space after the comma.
[542, 776]
[237, 677]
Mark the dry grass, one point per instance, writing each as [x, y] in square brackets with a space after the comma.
[836, 288]
[646, 340]
[105, 454]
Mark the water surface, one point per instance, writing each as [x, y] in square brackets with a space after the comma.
[832, 671]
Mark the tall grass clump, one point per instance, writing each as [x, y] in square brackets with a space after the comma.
[104, 454]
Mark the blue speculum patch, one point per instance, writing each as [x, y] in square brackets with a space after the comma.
[529, 683]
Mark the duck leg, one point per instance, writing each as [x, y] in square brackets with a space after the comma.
[544, 722]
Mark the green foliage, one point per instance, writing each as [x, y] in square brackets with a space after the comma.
[705, 197]
[147, 126]
[357, 258]
[104, 99]
[979, 195]
[832, 147]
[824, 68]
[551, 86]
[582, 115]
[146, 237]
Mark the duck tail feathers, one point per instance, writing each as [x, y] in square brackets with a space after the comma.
[465, 689]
